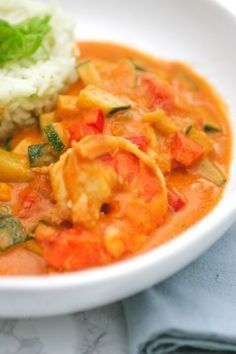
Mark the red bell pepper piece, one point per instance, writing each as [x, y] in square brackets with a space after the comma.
[184, 150]
[175, 201]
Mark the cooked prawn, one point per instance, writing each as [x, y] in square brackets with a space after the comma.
[103, 171]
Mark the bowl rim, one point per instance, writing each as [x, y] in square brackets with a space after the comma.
[223, 211]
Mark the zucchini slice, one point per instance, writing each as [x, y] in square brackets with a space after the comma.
[137, 64]
[94, 97]
[46, 119]
[162, 123]
[22, 147]
[211, 127]
[14, 167]
[57, 137]
[187, 129]
[12, 232]
[33, 246]
[66, 107]
[201, 138]
[88, 73]
[125, 72]
[5, 211]
[209, 170]
[41, 155]
[7, 143]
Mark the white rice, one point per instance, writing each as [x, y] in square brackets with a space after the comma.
[29, 88]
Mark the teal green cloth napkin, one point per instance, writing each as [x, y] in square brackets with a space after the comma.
[194, 311]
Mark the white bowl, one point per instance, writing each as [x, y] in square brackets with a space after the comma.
[200, 33]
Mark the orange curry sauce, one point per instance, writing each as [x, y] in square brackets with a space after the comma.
[174, 118]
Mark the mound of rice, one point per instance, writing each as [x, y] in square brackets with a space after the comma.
[29, 88]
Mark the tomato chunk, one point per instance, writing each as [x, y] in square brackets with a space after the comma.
[158, 96]
[72, 249]
[140, 141]
[94, 124]
[175, 201]
[96, 119]
[184, 150]
[78, 131]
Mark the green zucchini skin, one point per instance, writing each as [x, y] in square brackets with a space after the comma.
[12, 233]
[41, 155]
[136, 64]
[54, 139]
[188, 129]
[209, 128]
[7, 143]
[118, 109]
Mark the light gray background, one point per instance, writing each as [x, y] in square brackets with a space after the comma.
[101, 331]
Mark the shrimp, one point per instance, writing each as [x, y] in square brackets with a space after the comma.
[114, 195]
[20, 261]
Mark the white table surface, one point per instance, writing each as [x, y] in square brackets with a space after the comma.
[101, 331]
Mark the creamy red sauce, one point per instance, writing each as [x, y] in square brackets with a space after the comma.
[103, 202]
